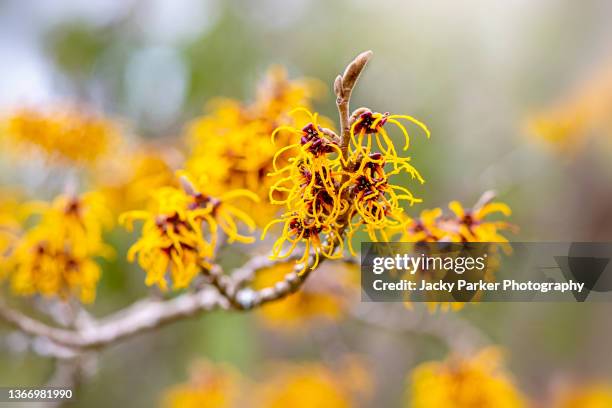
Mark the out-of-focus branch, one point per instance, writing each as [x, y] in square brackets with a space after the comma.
[150, 314]
[142, 316]
[70, 374]
[34, 327]
[457, 333]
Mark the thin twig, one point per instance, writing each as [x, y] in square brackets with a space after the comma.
[343, 88]
[140, 317]
[459, 334]
[68, 374]
[150, 314]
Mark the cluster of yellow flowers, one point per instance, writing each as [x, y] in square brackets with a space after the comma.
[474, 381]
[55, 258]
[291, 385]
[230, 144]
[463, 225]
[60, 134]
[482, 380]
[181, 232]
[327, 190]
[459, 382]
[567, 124]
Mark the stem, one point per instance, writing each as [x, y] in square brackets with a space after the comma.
[343, 88]
[149, 314]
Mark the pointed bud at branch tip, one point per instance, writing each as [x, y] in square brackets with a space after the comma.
[353, 70]
[343, 87]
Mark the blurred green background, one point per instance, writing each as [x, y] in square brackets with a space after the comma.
[473, 71]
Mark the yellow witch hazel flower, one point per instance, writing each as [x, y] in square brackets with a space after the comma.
[56, 258]
[327, 191]
[583, 111]
[210, 386]
[128, 178]
[472, 225]
[314, 385]
[312, 165]
[311, 192]
[181, 232]
[230, 144]
[425, 228]
[594, 395]
[63, 134]
[479, 381]
[9, 227]
[367, 123]
[376, 199]
[290, 385]
[463, 225]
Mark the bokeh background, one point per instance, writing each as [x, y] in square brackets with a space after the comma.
[476, 72]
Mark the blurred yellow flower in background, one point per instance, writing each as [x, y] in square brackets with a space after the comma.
[342, 384]
[595, 395]
[55, 258]
[424, 228]
[128, 179]
[230, 144]
[464, 382]
[9, 225]
[210, 386]
[314, 385]
[64, 135]
[306, 386]
[584, 111]
[462, 225]
[471, 224]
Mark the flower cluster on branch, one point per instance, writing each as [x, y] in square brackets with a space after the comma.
[327, 191]
[180, 234]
